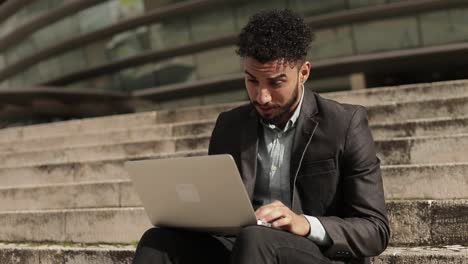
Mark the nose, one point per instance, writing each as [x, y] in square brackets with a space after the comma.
[263, 96]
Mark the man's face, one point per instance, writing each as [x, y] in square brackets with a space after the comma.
[275, 88]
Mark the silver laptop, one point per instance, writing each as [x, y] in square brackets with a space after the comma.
[203, 193]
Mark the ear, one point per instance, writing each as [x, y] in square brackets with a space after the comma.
[304, 71]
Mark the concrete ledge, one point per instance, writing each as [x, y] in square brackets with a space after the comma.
[419, 222]
[428, 222]
[129, 150]
[423, 150]
[406, 111]
[415, 150]
[59, 254]
[420, 107]
[445, 181]
[426, 255]
[108, 254]
[104, 225]
[404, 93]
[432, 181]
[102, 138]
[78, 126]
[64, 173]
[422, 127]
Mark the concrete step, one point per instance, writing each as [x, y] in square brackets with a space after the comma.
[412, 150]
[423, 255]
[78, 126]
[408, 111]
[413, 222]
[444, 181]
[65, 254]
[423, 150]
[451, 104]
[428, 181]
[138, 134]
[133, 150]
[107, 168]
[114, 123]
[115, 193]
[421, 127]
[404, 93]
[110, 254]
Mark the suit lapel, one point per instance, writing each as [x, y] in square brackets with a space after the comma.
[305, 129]
[248, 152]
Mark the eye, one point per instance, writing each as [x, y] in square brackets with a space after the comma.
[277, 84]
[252, 81]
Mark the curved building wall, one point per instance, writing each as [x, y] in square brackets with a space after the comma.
[338, 41]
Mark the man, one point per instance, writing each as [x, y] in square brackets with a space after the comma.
[308, 164]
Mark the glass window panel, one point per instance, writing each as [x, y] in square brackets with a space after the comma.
[2, 62]
[209, 25]
[57, 32]
[44, 38]
[333, 42]
[169, 34]
[96, 53]
[83, 85]
[104, 82]
[32, 76]
[65, 29]
[19, 51]
[127, 44]
[129, 8]
[309, 8]
[388, 34]
[446, 26]
[225, 97]
[154, 4]
[177, 70]
[50, 69]
[331, 84]
[72, 61]
[245, 11]
[98, 16]
[5, 85]
[216, 62]
[363, 3]
[17, 82]
[184, 102]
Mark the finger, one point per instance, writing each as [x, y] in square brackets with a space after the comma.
[263, 210]
[273, 215]
[282, 222]
[266, 209]
[277, 203]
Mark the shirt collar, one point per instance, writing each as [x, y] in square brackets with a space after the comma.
[292, 121]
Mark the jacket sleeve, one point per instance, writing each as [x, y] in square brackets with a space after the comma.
[214, 139]
[364, 229]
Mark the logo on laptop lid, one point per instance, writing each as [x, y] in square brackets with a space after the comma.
[188, 193]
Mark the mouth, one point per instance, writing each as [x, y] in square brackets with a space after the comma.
[265, 110]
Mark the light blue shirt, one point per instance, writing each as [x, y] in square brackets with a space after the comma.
[273, 170]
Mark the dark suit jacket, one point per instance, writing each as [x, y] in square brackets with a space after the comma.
[334, 171]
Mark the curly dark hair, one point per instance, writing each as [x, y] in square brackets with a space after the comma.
[275, 34]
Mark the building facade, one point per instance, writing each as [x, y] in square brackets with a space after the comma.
[70, 59]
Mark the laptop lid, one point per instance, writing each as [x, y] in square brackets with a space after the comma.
[203, 193]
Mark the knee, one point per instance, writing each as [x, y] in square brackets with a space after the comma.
[255, 237]
[154, 236]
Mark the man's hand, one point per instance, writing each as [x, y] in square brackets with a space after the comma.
[280, 216]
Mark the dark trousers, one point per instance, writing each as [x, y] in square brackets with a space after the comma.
[254, 244]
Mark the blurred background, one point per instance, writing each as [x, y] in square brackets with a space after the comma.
[64, 59]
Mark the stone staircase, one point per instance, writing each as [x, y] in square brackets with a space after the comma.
[65, 197]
